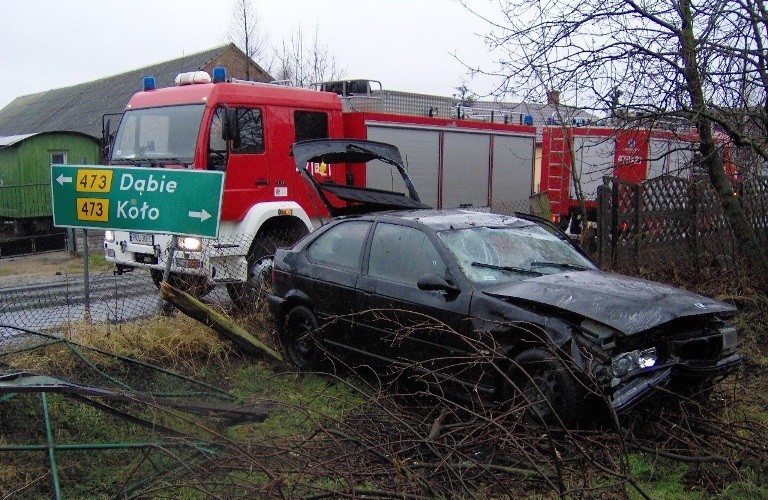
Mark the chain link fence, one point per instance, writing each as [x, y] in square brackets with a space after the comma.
[663, 222]
[241, 266]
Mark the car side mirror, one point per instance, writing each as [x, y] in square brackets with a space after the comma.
[433, 283]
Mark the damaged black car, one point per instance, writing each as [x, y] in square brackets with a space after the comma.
[495, 308]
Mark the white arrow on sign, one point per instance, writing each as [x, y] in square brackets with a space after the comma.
[61, 179]
[202, 215]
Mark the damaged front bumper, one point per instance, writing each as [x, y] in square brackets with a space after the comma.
[639, 387]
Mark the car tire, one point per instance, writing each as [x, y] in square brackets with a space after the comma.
[300, 339]
[544, 387]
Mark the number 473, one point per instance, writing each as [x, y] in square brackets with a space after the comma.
[93, 209]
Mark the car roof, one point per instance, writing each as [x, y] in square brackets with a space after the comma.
[455, 218]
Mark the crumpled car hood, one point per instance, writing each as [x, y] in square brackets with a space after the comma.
[629, 305]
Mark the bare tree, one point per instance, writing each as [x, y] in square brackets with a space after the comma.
[464, 95]
[246, 32]
[305, 61]
[704, 64]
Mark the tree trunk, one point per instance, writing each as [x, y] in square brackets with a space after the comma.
[712, 158]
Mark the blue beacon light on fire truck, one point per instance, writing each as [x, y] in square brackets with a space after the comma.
[219, 74]
[149, 83]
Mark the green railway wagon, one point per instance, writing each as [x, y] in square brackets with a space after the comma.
[25, 174]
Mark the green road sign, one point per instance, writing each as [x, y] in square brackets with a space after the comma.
[161, 200]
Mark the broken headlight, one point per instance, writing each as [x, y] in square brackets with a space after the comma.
[633, 361]
[730, 338]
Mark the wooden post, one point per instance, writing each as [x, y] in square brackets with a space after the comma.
[219, 323]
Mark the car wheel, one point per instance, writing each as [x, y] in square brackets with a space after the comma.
[300, 340]
[544, 388]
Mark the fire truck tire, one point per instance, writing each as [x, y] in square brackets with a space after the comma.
[251, 294]
[197, 286]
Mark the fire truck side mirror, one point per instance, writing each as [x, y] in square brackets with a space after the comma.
[106, 138]
[229, 129]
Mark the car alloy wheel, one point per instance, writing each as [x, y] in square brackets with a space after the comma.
[299, 338]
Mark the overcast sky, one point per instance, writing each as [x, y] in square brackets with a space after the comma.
[406, 44]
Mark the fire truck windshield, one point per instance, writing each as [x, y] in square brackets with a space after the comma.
[166, 133]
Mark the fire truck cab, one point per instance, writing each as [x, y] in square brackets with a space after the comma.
[246, 130]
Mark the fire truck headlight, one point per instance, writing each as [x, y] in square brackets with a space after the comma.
[109, 236]
[190, 244]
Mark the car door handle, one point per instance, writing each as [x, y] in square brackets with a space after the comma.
[261, 182]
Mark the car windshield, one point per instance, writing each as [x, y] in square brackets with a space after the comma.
[504, 254]
[164, 133]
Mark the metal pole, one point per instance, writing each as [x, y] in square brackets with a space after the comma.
[50, 448]
[86, 278]
[167, 271]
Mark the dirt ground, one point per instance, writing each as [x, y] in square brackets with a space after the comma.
[39, 267]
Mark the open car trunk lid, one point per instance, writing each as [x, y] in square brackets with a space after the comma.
[355, 199]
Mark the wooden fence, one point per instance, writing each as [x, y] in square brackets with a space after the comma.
[673, 221]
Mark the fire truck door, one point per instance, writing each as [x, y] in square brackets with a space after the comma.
[248, 175]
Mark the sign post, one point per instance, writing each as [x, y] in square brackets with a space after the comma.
[174, 201]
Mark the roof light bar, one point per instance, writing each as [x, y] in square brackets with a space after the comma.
[193, 77]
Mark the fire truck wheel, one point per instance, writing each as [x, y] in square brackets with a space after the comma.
[252, 293]
[197, 286]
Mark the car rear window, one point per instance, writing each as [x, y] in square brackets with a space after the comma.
[341, 246]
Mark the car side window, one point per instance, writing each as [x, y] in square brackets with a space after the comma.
[403, 254]
[341, 246]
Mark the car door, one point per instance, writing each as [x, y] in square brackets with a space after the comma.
[331, 267]
[428, 330]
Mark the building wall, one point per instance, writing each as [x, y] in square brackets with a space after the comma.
[35, 156]
[9, 161]
[25, 172]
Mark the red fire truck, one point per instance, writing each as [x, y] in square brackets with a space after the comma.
[594, 152]
[246, 130]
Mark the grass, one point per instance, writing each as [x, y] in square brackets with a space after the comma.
[664, 478]
[299, 402]
[96, 263]
[51, 264]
